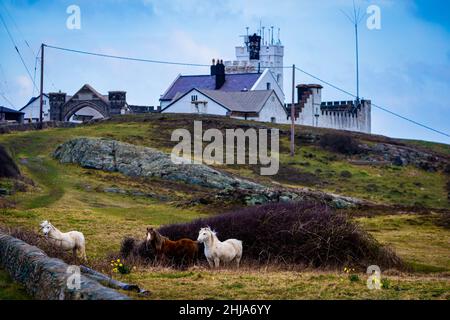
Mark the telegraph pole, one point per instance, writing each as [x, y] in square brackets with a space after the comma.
[293, 113]
[41, 99]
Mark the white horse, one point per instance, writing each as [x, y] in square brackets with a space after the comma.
[217, 251]
[72, 240]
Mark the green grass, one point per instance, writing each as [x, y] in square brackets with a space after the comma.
[271, 284]
[10, 290]
[416, 239]
[320, 169]
[73, 199]
[434, 146]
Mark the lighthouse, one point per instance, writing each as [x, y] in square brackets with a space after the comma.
[259, 51]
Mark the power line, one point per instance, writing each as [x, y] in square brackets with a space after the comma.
[17, 49]
[203, 65]
[128, 58]
[6, 99]
[18, 29]
[373, 104]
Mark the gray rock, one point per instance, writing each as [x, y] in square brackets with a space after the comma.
[115, 190]
[342, 204]
[136, 161]
[131, 160]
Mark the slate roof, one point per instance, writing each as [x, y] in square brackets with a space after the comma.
[233, 82]
[235, 101]
[8, 110]
[238, 101]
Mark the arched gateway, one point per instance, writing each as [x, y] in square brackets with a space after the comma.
[88, 102]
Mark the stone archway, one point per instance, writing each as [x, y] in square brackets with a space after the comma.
[72, 109]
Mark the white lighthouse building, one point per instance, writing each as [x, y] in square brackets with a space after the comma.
[259, 51]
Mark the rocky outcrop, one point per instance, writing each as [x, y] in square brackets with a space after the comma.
[403, 156]
[137, 161]
[47, 278]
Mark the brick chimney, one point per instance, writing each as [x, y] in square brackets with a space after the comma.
[218, 71]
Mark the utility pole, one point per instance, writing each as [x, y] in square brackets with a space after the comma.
[41, 99]
[293, 113]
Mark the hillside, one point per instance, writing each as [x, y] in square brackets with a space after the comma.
[405, 186]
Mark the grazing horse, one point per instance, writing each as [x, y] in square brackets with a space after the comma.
[217, 251]
[72, 240]
[184, 250]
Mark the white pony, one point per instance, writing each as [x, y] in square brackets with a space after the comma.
[217, 251]
[72, 240]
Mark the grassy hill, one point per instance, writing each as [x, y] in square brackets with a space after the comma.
[408, 204]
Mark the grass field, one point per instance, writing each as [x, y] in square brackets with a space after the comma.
[74, 198]
[9, 290]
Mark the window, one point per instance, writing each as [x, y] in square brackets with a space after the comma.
[268, 85]
[194, 98]
[273, 120]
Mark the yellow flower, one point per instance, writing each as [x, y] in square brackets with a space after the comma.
[120, 265]
[118, 260]
[115, 270]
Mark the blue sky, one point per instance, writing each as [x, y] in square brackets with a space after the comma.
[405, 66]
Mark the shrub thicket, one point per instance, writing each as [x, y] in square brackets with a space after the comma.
[340, 143]
[307, 234]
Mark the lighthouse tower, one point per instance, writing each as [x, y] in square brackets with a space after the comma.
[260, 51]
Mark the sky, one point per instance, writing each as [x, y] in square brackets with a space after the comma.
[404, 65]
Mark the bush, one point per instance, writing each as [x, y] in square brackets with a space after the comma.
[447, 169]
[385, 283]
[8, 168]
[353, 278]
[136, 251]
[340, 143]
[120, 267]
[308, 234]
[346, 174]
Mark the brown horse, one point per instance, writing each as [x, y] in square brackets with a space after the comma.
[184, 251]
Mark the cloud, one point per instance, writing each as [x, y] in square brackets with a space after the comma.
[186, 48]
[24, 87]
[199, 8]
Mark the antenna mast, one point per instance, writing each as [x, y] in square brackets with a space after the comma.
[356, 20]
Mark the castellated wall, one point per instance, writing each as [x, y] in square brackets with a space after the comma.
[358, 120]
[46, 278]
[340, 115]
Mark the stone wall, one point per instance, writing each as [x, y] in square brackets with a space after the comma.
[35, 126]
[46, 278]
